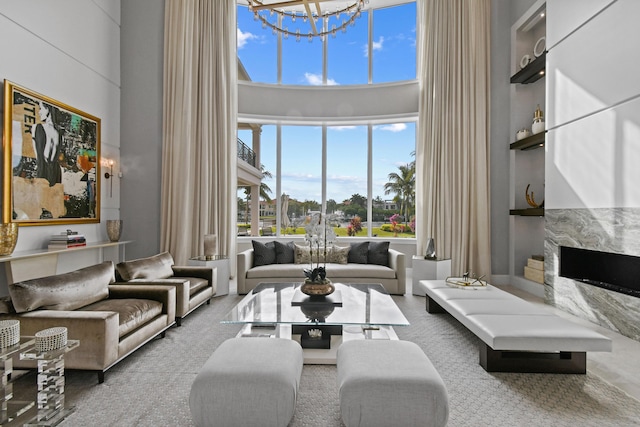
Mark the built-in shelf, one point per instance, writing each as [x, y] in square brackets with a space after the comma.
[529, 143]
[533, 72]
[34, 253]
[527, 212]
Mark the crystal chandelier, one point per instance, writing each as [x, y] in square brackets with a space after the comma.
[275, 16]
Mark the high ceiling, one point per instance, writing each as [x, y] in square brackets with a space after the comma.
[332, 5]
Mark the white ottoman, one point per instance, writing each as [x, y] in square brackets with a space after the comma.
[389, 383]
[248, 382]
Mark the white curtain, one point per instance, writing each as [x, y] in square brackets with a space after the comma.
[199, 129]
[452, 156]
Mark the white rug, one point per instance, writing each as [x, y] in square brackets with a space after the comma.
[151, 387]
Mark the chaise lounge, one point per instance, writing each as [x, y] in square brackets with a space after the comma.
[517, 336]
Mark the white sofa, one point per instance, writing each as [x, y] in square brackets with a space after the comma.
[518, 336]
[393, 278]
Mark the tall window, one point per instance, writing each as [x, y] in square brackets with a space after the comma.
[369, 169]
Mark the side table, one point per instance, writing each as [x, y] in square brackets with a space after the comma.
[428, 269]
[221, 264]
[51, 409]
[12, 409]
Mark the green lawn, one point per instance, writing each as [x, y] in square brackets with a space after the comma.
[342, 232]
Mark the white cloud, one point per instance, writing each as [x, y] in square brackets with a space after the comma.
[378, 45]
[341, 128]
[316, 80]
[395, 127]
[374, 46]
[243, 38]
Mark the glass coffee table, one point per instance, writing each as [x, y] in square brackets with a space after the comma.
[353, 311]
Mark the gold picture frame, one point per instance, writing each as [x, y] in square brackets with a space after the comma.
[51, 159]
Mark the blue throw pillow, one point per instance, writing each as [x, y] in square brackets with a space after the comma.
[284, 252]
[378, 253]
[358, 253]
[263, 253]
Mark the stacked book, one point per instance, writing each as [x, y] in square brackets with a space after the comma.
[534, 270]
[67, 240]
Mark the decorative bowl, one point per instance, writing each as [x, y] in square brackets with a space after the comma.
[315, 289]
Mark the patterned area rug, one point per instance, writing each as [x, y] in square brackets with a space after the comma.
[151, 387]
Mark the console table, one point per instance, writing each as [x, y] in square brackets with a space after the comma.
[25, 265]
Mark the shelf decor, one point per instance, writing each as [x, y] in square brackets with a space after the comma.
[8, 238]
[530, 199]
[9, 333]
[532, 72]
[51, 165]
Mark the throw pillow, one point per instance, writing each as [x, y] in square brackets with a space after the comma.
[378, 253]
[302, 255]
[153, 267]
[358, 253]
[263, 253]
[67, 291]
[339, 254]
[284, 253]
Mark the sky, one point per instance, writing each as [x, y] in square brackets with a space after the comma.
[393, 59]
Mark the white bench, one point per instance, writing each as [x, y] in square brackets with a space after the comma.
[517, 336]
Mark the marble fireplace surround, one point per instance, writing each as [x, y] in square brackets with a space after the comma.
[615, 230]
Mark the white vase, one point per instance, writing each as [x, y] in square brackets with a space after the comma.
[114, 229]
[537, 126]
[210, 245]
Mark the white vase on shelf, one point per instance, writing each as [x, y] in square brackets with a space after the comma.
[114, 229]
[538, 121]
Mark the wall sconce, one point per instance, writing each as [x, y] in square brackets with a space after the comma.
[109, 175]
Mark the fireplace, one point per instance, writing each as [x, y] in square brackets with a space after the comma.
[607, 270]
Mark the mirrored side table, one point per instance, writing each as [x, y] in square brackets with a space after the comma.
[221, 263]
[11, 409]
[51, 409]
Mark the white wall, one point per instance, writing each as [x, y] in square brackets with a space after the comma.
[48, 48]
[68, 50]
[593, 104]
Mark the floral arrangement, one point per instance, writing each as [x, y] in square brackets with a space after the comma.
[395, 224]
[355, 226]
[319, 233]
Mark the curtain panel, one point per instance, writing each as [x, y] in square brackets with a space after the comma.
[199, 127]
[452, 154]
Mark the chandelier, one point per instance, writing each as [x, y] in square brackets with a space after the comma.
[275, 16]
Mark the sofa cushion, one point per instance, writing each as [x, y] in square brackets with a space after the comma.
[334, 272]
[263, 253]
[378, 253]
[339, 254]
[358, 253]
[302, 254]
[154, 267]
[132, 312]
[68, 291]
[285, 252]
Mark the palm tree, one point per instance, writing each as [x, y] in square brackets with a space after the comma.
[403, 185]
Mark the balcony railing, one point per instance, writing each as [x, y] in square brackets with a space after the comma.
[247, 154]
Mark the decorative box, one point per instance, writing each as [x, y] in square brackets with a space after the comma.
[9, 333]
[51, 339]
